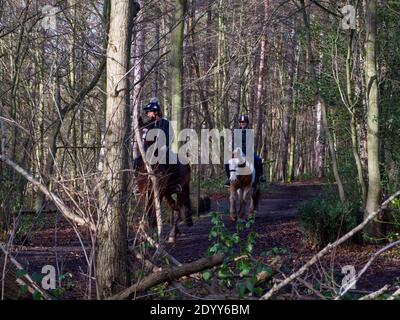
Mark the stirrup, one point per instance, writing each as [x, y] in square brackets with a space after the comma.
[227, 183]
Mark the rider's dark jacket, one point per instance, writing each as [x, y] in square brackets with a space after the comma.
[164, 125]
[244, 144]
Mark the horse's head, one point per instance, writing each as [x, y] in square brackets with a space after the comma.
[238, 154]
[234, 163]
[238, 165]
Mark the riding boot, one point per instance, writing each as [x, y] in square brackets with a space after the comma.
[260, 176]
[172, 169]
[259, 171]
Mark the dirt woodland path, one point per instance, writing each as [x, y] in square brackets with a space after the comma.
[275, 224]
[276, 207]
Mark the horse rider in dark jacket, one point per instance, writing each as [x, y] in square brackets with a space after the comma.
[244, 125]
[155, 120]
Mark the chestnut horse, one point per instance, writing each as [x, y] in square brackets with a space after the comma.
[242, 186]
[168, 177]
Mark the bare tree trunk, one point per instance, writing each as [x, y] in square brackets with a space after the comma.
[318, 145]
[350, 103]
[177, 69]
[373, 229]
[156, 84]
[112, 265]
[353, 121]
[138, 62]
[260, 84]
[321, 102]
[292, 118]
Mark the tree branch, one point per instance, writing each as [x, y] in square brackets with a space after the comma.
[375, 294]
[24, 280]
[338, 15]
[170, 275]
[82, 94]
[56, 200]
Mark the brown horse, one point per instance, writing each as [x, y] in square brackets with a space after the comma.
[243, 185]
[168, 177]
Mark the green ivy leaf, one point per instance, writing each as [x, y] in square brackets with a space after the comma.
[37, 277]
[229, 243]
[242, 289]
[249, 247]
[213, 234]
[23, 289]
[224, 272]
[258, 291]
[207, 275]
[249, 285]
[20, 273]
[37, 296]
[214, 248]
[235, 238]
[244, 267]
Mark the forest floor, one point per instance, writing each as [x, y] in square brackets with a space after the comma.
[56, 243]
[277, 227]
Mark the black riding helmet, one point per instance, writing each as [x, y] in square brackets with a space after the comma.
[244, 118]
[152, 106]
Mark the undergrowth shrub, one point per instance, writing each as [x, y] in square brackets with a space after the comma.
[393, 223]
[323, 220]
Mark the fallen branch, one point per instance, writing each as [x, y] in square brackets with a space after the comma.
[395, 295]
[170, 275]
[328, 248]
[375, 294]
[13, 282]
[56, 200]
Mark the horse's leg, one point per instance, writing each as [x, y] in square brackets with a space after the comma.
[173, 221]
[150, 210]
[184, 204]
[232, 203]
[242, 202]
[255, 195]
[252, 203]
